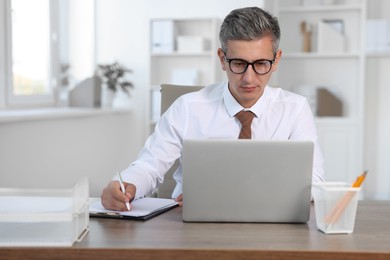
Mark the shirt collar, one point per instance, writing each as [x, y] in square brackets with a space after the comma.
[233, 107]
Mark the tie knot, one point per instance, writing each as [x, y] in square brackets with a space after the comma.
[245, 117]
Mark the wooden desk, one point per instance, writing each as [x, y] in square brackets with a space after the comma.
[167, 237]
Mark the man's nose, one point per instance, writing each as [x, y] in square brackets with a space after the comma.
[249, 73]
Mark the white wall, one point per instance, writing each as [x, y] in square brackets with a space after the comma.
[377, 127]
[81, 36]
[3, 42]
[377, 135]
[55, 153]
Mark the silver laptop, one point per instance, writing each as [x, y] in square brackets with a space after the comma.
[247, 181]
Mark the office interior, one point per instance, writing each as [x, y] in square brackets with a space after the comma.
[54, 146]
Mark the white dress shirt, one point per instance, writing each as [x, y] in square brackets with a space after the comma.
[209, 114]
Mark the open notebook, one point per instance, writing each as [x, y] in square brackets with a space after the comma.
[142, 209]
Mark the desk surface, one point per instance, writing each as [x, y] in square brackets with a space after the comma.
[168, 237]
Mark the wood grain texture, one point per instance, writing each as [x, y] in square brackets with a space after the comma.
[168, 237]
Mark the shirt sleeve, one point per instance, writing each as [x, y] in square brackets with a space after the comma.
[304, 128]
[159, 153]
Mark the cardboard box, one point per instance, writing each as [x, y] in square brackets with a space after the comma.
[328, 104]
[321, 100]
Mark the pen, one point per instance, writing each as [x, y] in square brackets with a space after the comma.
[123, 188]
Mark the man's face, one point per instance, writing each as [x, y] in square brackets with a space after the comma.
[249, 86]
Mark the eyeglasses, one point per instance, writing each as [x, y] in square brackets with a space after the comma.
[239, 66]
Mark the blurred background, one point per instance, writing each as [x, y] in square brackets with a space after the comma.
[59, 58]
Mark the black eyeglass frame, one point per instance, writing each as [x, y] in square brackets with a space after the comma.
[271, 62]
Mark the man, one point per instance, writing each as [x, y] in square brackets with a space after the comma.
[249, 54]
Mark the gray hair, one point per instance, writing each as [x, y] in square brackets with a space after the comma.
[248, 24]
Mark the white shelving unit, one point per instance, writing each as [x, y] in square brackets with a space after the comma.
[170, 66]
[340, 71]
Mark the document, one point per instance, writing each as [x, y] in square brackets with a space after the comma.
[141, 209]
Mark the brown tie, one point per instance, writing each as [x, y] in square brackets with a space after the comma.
[245, 118]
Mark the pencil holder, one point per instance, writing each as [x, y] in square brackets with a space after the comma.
[335, 205]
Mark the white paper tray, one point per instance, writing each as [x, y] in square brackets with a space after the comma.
[33, 217]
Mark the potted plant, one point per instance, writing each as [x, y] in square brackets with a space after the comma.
[113, 79]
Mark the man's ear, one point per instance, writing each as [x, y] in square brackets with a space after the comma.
[221, 57]
[278, 56]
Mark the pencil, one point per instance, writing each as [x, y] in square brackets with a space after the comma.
[344, 201]
[360, 180]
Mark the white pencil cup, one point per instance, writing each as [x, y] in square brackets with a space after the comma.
[335, 205]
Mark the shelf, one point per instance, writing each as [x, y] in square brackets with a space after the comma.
[314, 55]
[377, 55]
[335, 121]
[330, 8]
[183, 54]
[54, 113]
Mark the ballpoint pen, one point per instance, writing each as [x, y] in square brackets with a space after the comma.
[123, 188]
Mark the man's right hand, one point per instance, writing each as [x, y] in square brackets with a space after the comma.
[114, 199]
